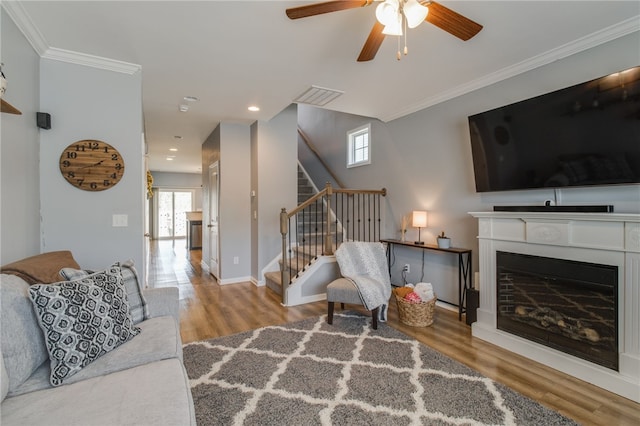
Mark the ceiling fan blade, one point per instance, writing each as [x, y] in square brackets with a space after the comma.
[452, 22]
[324, 7]
[372, 44]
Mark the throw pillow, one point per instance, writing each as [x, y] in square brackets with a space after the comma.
[21, 340]
[137, 302]
[82, 320]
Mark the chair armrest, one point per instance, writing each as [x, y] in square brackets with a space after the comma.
[163, 301]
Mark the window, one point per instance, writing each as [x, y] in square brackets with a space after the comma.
[358, 146]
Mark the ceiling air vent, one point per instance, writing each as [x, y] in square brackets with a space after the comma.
[318, 96]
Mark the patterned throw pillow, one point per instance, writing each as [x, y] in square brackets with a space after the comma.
[137, 302]
[82, 320]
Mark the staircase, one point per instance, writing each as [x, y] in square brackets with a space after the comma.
[312, 231]
[307, 226]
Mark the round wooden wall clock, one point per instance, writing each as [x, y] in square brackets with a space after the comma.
[91, 165]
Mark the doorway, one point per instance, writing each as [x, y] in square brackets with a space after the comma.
[171, 206]
[212, 226]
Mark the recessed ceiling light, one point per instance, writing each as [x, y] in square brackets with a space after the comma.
[191, 99]
[173, 149]
[169, 158]
[253, 108]
[184, 108]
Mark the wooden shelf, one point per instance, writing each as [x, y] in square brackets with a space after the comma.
[7, 107]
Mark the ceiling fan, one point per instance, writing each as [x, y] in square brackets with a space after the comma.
[391, 12]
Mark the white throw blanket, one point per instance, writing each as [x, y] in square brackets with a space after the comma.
[365, 263]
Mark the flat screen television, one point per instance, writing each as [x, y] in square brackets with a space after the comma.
[587, 134]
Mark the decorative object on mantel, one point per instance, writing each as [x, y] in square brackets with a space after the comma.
[419, 220]
[149, 184]
[3, 81]
[403, 228]
[444, 241]
[4, 105]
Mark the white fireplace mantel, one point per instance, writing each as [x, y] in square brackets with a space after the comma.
[603, 238]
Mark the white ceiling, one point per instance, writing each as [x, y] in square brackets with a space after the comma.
[232, 54]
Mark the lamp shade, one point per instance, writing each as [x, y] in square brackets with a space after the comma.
[387, 12]
[393, 29]
[419, 219]
[415, 13]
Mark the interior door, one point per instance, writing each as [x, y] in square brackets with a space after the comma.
[214, 188]
[171, 209]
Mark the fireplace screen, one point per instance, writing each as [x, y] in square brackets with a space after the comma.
[567, 305]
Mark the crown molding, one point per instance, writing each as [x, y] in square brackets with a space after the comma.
[23, 21]
[90, 61]
[613, 32]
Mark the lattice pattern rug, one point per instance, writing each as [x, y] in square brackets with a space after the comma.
[312, 373]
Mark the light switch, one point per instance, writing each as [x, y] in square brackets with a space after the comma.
[120, 220]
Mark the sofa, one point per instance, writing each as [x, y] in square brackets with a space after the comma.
[140, 380]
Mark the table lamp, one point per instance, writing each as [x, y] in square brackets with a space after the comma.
[419, 220]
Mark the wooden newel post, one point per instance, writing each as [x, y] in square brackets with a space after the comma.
[284, 269]
[328, 244]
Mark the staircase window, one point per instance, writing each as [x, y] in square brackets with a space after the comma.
[358, 146]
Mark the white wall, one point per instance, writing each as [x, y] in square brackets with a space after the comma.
[424, 160]
[91, 103]
[19, 148]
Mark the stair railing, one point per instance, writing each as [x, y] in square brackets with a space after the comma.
[322, 222]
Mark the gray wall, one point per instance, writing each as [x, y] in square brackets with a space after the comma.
[230, 145]
[210, 154]
[91, 103]
[170, 180]
[274, 152]
[235, 207]
[424, 160]
[19, 148]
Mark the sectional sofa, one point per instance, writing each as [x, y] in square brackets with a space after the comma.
[58, 370]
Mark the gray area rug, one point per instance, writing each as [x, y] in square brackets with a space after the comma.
[312, 373]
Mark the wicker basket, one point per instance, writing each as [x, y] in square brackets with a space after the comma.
[416, 314]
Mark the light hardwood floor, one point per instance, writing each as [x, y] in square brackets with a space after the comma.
[209, 310]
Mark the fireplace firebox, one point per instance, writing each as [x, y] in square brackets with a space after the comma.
[563, 304]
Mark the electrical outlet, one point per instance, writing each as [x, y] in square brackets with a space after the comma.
[407, 268]
[236, 260]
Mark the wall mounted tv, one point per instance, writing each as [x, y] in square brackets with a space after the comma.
[587, 134]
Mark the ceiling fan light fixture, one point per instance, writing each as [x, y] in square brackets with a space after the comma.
[394, 29]
[415, 13]
[387, 12]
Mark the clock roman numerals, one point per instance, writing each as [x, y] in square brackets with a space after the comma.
[91, 165]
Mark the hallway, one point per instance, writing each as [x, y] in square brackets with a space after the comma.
[208, 309]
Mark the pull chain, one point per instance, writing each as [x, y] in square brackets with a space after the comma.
[406, 50]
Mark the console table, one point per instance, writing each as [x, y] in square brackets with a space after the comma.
[464, 266]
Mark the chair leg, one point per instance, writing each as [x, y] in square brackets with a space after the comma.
[342, 306]
[374, 318]
[330, 313]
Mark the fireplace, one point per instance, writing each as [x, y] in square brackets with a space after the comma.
[563, 289]
[566, 305]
